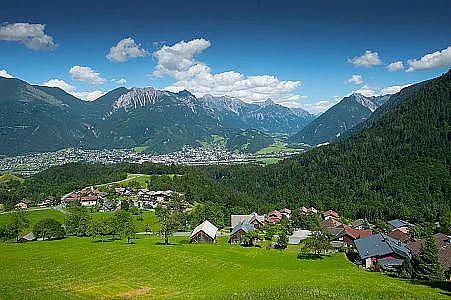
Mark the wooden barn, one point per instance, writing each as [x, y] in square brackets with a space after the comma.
[204, 233]
[238, 232]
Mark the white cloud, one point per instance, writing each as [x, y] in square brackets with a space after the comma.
[367, 91]
[89, 96]
[126, 49]
[395, 66]
[321, 106]
[120, 81]
[33, 36]
[86, 74]
[356, 79]
[179, 62]
[70, 89]
[430, 61]
[367, 60]
[60, 84]
[5, 74]
[393, 89]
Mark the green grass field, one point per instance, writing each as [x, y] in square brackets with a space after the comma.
[277, 147]
[81, 268]
[35, 215]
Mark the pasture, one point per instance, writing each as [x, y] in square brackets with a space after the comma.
[81, 268]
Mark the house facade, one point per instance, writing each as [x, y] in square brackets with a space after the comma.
[204, 233]
[239, 231]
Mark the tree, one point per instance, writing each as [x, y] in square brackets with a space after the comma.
[19, 222]
[382, 227]
[129, 230]
[426, 264]
[282, 240]
[100, 227]
[406, 271]
[250, 238]
[317, 243]
[6, 232]
[170, 216]
[422, 231]
[48, 229]
[78, 222]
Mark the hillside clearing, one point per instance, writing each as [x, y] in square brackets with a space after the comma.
[76, 268]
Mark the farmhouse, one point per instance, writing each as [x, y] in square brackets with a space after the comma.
[330, 214]
[308, 211]
[238, 232]
[204, 233]
[88, 201]
[346, 235]
[360, 224]
[23, 204]
[286, 212]
[383, 250]
[273, 217]
[255, 219]
[400, 235]
[400, 224]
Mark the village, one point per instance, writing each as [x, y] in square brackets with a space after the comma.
[374, 247]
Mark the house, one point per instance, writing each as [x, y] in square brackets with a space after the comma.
[330, 223]
[380, 249]
[88, 201]
[23, 204]
[330, 214]
[106, 206]
[238, 232]
[444, 252]
[49, 201]
[400, 235]
[298, 236]
[204, 233]
[286, 212]
[255, 219]
[27, 238]
[360, 224]
[400, 224]
[273, 217]
[119, 190]
[308, 211]
[346, 235]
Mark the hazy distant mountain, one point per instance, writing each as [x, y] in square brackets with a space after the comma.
[267, 116]
[341, 117]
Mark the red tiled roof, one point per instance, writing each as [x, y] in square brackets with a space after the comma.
[331, 213]
[399, 235]
[357, 233]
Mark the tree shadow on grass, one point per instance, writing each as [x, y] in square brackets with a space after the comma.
[169, 244]
[312, 256]
[445, 286]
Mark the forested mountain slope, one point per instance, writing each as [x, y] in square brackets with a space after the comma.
[398, 167]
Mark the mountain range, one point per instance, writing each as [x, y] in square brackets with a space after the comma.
[38, 118]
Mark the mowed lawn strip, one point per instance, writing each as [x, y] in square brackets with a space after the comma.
[82, 268]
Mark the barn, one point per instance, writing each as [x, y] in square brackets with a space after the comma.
[204, 233]
[238, 232]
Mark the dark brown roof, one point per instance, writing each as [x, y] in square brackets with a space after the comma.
[399, 235]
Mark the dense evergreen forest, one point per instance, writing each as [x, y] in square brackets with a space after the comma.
[398, 167]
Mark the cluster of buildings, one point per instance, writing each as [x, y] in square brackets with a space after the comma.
[86, 197]
[371, 249]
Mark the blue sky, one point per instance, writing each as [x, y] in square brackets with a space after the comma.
[298, 53]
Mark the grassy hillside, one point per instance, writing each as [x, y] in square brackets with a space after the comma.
[80, 268]
[10, 177]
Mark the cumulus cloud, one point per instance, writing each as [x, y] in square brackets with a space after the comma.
[395, 66]
[374, 91]
[321, 106]
[120, 81]
[89, 96]
[179, 62]
[430, 61]
[86, 74]
[393, 89]
[356, 79]
[33, 36]
[5, 74]
[367, 60]
[126, 49]
[70, 89]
